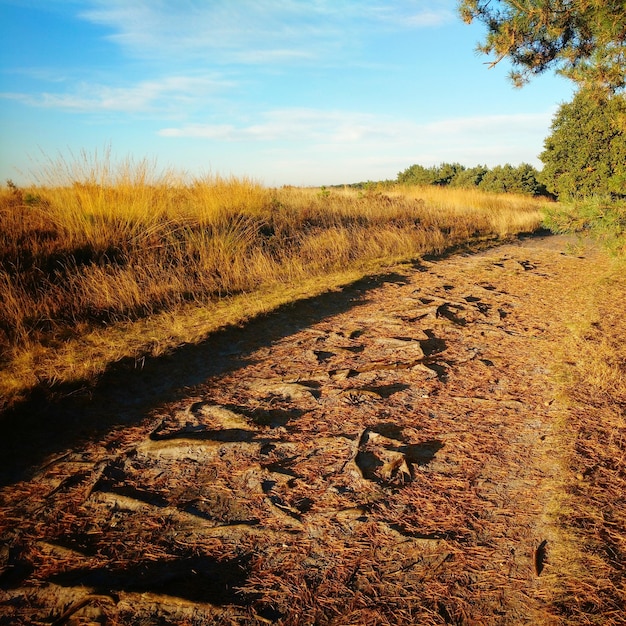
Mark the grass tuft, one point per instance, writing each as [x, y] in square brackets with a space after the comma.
[96, 245]
[602, 218]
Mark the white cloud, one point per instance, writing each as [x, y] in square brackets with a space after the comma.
[301, 125]
[297, 125]
[309, 146]
[429, 18]
[165, 95]
[45, 74]
[269, 57]
[254, 31]
[413, 14]
[492, 124]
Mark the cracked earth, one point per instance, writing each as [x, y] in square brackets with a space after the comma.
[385, 454]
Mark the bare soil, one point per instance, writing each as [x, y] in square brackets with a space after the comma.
[390, 453]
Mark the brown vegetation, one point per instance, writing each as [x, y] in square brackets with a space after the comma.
[123, 244]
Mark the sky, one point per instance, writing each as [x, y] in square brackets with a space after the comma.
[285, 92]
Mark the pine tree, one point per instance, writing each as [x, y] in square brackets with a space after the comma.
[584, 40]
[585, 155]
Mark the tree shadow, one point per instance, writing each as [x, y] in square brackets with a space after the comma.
[198, 579]
[51, 421]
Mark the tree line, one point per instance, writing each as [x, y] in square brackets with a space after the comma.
[584, 155]
[524, 178]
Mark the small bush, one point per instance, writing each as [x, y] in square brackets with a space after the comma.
[602, 218]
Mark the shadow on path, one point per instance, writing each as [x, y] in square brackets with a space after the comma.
[51, 422]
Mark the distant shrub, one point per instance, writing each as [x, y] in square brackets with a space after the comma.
[417, 175]
[470, 177]
[508, 179]
[441, 175]
[603, 219]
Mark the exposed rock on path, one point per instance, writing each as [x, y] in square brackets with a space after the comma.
[390, 463]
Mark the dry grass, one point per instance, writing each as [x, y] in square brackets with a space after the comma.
[97, 245]
[592, 511]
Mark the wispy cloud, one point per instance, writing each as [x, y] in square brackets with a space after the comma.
[165, 96]
[493, 124]
[254, 31]
[328, 147]
[297, 125]
[411, 14]
[301, 125]
[429, 18]
[44, 74]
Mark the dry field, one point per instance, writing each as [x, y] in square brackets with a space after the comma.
[128, 263]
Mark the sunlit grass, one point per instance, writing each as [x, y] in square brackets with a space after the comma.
[591, 509]
[97, 244]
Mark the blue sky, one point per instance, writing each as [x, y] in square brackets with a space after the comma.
[301, 92]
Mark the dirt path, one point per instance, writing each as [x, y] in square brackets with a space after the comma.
[391, 461]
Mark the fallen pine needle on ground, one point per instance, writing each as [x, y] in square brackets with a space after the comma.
[438, 444]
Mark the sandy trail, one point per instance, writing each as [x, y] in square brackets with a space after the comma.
[387, 454]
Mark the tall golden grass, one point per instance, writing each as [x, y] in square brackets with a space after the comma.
[97, 243]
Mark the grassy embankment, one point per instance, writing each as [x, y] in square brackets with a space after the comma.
[130, 264]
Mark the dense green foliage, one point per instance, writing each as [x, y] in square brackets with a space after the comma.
[604, 220]
[585, 155]
[584, 40]
[470, 176]
[585, 166]
[438, 175]
[509, 179]
[503, 178]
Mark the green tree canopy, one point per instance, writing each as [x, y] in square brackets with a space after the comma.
[503, 178]
[417, 175]
[442, 174]
[508, 179]
[470, 177]
[584, 40]
[585, 155]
